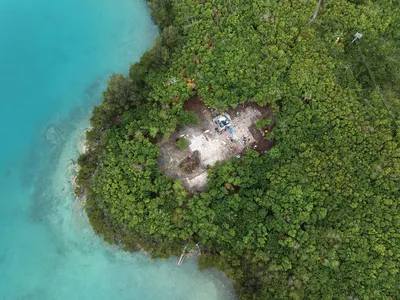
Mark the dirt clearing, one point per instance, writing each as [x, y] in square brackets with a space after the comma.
[207, 145]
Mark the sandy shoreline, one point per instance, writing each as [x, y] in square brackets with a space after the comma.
[66, 170]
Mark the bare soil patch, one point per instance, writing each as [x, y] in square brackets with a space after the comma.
[207, 146]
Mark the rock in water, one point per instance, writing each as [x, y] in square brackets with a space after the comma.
[53, 135]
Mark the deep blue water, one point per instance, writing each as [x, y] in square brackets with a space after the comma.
[54, 59]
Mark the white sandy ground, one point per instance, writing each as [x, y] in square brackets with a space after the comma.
[214, 147]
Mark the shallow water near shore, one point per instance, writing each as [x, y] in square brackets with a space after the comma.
[55, 57]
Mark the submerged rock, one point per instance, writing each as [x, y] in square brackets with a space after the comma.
[53, 135]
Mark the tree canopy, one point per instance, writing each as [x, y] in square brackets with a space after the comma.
[317, 216]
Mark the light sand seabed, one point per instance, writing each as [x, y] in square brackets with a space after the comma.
[64, 176]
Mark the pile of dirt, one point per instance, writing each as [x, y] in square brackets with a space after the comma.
[190, 163]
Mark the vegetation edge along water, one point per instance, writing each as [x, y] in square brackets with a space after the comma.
[317, 216]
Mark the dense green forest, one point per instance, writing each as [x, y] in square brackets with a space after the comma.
[317, 216]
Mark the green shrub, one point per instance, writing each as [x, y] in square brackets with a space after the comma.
[263, 123]
[182, 144]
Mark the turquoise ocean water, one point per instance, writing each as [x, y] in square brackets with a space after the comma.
[54, 59]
